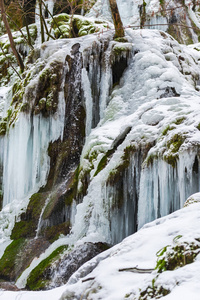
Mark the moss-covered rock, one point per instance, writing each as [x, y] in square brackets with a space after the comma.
[103, 162]
[52, 233]
[150, 158]
[195, 198]
[117, 172]
[153, 292]
[8, 262]
[40, 276]
[173, 257]
[173, 145]
[175, 142]
[171, 159]
[66, 26]
[44, 97]
[56, 269]
[167, 128]
[29, 220]
[18, 256]
[3, 126]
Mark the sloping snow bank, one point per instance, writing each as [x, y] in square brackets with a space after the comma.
[26, 295]
[139, 250]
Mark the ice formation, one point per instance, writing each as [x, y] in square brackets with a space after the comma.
[141, 132]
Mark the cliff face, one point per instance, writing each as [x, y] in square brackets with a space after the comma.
[98, 137]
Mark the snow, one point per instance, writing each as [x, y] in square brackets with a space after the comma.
[139, 250]
[27, 295]
[159, 87]
[148, 110]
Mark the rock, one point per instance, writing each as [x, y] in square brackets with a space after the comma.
[195, 198]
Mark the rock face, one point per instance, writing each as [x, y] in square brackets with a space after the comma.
[56, 271]
[99, 137]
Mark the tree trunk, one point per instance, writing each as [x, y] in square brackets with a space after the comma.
[12, 44]
[119, 30]
[41, 22]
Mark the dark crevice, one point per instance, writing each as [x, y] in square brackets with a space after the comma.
[118, 69]
[195, 167]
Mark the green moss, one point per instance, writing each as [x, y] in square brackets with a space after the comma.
[119, 50]
[116, 173]
[66, 26]
[179, 121]
[83, 27]
[39, 277]
[53, 233]
[171, 258]
[150, 158]
[198, 126]
[33, 31]
[63, 31]
[103, 162]
[169, 127]
[121, 40]
[92, 156]
[175, 143]
[23, 229]
[28, 225]
[3, 127]
[153, 292]
[8, 262]
[35, 205]
[59, 20]
[171, 159]
[25, 107]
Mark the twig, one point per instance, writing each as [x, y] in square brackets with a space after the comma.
[136, 270]
[88, 279]
[28, 42]
[55, 22]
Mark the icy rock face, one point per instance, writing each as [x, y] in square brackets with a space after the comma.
[142, 158]
[58, 92]
[122, 139]
[58, 272]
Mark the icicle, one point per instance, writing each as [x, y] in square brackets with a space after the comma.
[88, 100]
[106, 82]
[164, 189]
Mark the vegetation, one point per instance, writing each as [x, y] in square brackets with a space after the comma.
[28, 224]
[8, 262]
[125, 161]
[172, 257]
[12, 44]
[175, 143]
[153, 292]
[39, 277]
